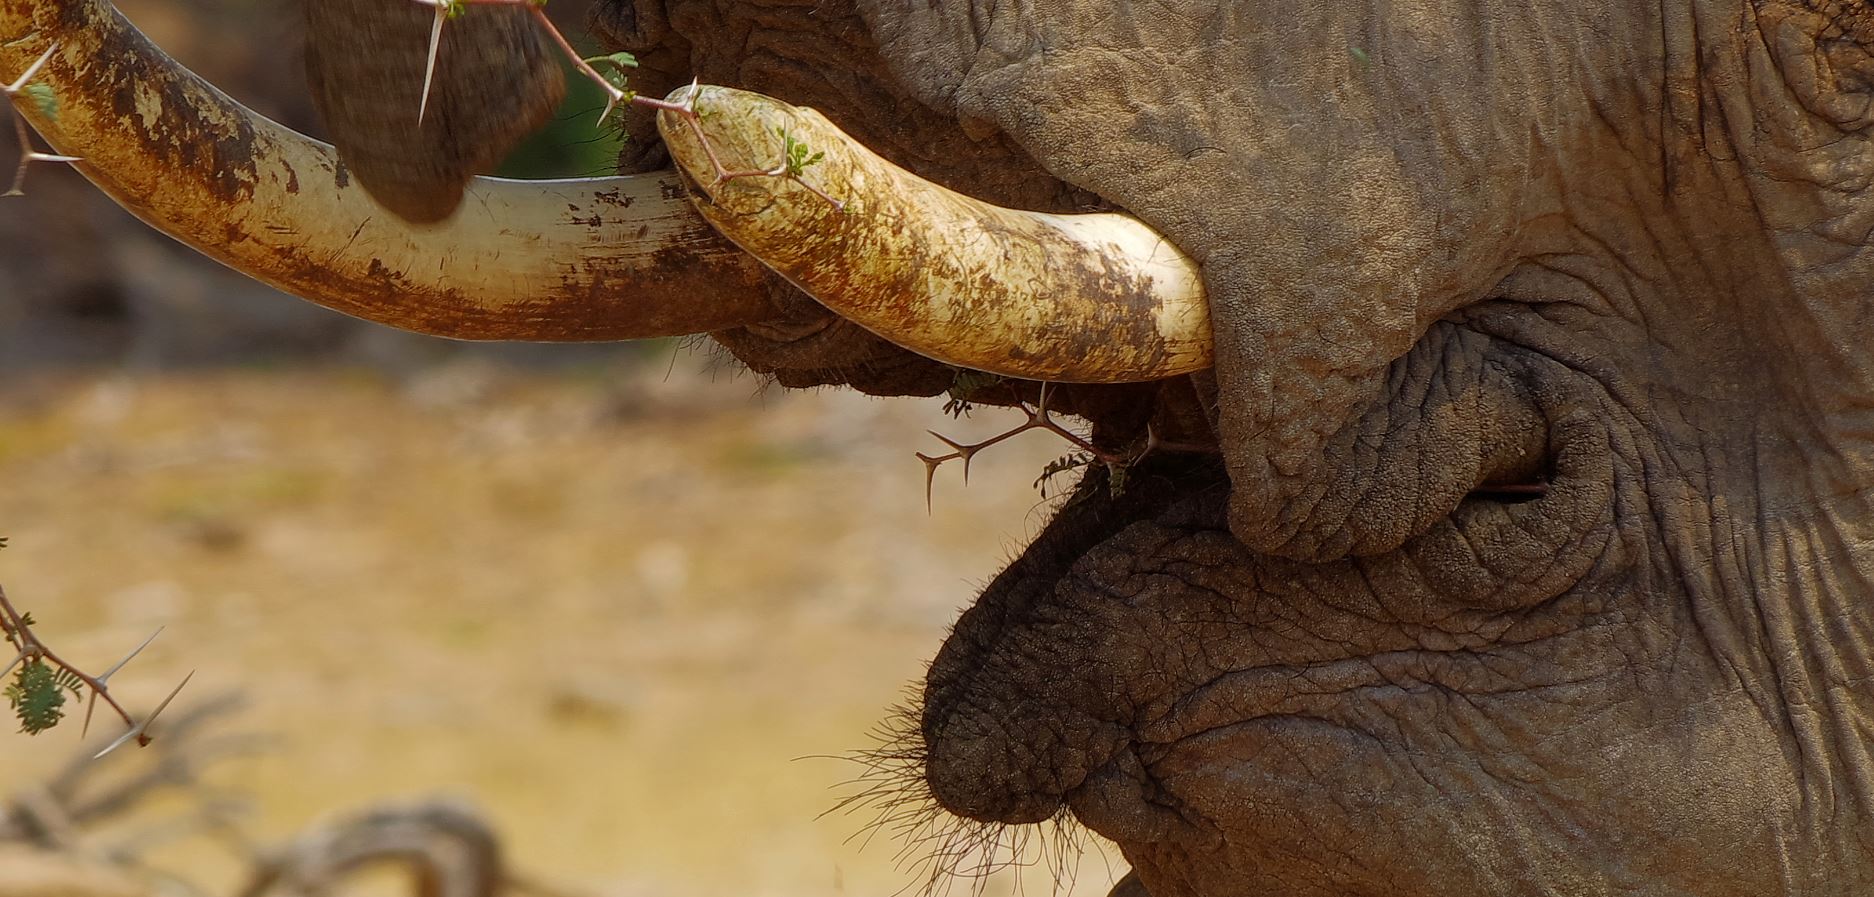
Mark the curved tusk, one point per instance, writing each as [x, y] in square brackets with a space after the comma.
[598, 259]
[1069, 298]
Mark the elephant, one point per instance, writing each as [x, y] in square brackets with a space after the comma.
[1508, 534]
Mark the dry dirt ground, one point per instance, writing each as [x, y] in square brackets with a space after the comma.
[615, 609]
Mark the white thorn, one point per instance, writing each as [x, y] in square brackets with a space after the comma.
[612, 96]
[134, 732]
[137, 730]
[32, 70]
[134, 652]
[429, 68]
[90, 705]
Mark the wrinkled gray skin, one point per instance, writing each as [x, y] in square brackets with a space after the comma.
[1614, 247]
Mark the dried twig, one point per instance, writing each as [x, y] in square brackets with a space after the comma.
[1040, 417]
[85, 795]
[452, 849]
[108, 816]
[188, 748]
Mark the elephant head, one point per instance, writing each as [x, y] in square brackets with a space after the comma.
[1528, 543]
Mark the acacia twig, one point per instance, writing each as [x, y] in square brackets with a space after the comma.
[17, 628]
[449, 846]
[28, 155]
[1041, 417]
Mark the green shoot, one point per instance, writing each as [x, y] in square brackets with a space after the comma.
[616, 64]
[1058, 466]
[966, 387]
[37, 694]
[794, 154]
[45, 98]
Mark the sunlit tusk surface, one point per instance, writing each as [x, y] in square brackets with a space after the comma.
[599, 259]
[1067, 298]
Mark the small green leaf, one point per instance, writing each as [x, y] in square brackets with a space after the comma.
[1116, 479]
[38, 695]
[1059, 466]
[615, 73]
[794, 154]
[1360, 56]
[620, 60]
[48, 101]
[965, 387]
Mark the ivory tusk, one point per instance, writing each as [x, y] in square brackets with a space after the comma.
[596, 259]
[1066, 298]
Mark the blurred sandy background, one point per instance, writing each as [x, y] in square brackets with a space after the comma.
[613, 595]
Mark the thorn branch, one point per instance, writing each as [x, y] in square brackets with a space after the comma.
[787, 169]
[16, 627]
[1039, 417]
[28, 155]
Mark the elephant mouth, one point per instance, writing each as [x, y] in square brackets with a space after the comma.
[1137, 629]
[981, 759]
